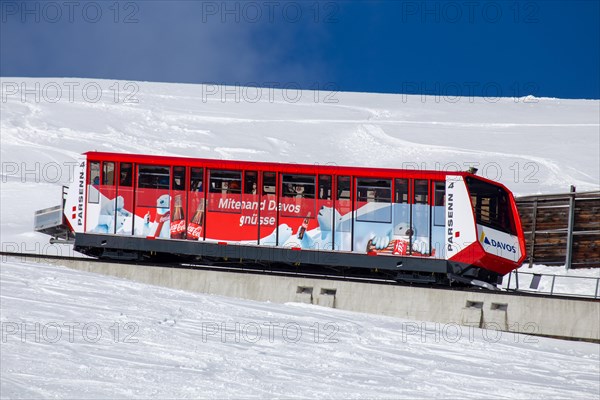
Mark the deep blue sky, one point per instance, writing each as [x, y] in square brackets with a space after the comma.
[545, 48]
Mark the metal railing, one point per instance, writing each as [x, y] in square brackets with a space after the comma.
[550, 284]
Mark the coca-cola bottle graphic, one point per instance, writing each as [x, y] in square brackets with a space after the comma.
[194, 230]
[178, 220]
[303, 227]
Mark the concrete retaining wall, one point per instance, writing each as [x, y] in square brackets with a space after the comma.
[577, 319]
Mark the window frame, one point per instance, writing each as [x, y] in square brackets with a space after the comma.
[158, 185]
[225, 176]
[477, 191]
[196, 180]
[376, 197]
[129, 178]
[396, 191]
[325, 183]
[221, 186]
[375, 189]
[108, 170]
[176, 173]
[435, 185]
[421, 183]
[297, 180]
[338, 191]
[94, 195]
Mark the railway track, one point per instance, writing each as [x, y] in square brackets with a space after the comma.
[232, 267]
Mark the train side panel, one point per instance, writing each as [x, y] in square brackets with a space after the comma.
[417, 220]
[150, 201]
[460, 227]
[75, 203]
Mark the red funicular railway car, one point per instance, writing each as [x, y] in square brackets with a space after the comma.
[413, 225]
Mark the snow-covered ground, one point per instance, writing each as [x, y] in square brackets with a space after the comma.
[584, 282]
[71, 334]
[532, 145]
[188, 345]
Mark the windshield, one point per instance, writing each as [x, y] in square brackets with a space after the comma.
[491, 205]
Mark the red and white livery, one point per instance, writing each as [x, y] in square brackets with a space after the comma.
[415, 225]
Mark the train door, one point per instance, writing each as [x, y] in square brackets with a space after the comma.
[297, 215]
[101, 198]
[401, 216]
[438, 220]
[224, 220]
[232, 212]
[108, 194]
[178, 228]
[268, 221]
[196, 206]
[373, 216]
[153, 201]
[342, 214]
[420, 223]
[250, 207]
[124, 200]
[93, 196]
[325, 215]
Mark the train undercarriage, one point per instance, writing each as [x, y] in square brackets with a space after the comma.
[413, 270]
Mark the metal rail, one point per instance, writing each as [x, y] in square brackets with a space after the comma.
[537, 278]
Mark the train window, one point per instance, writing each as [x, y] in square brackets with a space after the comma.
[108, 173]
[300, 186]
[226, 182]
[440, 194]
[196, 180]
[401, 191]
[94, 178]
[374, 190]
[153, 177]
[324, 187]
[178, 178]
[421, 191]
[125, 174]
[269, 183]
[491, 205]
[439, 201]
[343, 188]
[250, 182]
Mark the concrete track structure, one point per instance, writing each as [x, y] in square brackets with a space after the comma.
[560, 317]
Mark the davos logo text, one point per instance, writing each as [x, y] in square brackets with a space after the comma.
[496, 243]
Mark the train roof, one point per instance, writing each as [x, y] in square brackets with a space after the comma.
[277, 167]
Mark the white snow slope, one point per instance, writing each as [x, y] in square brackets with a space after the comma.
[533, 145]
[102, 337]
[181, 347]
